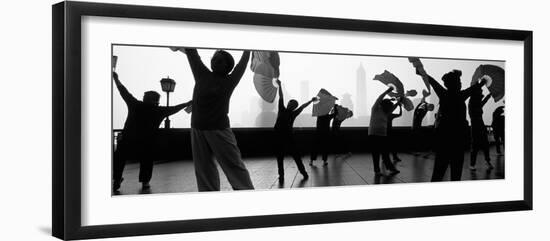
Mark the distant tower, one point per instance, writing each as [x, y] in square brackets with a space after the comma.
[304, 90]
[346, 101]
[361, 89]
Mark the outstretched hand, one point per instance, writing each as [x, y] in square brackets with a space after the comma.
[278, 81]
[483, 81]
[115, 76]
[314, 98]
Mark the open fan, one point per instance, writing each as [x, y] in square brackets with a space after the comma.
[494, 76]
[417, 64]
[391, 80]
[324, 104]
[343, 113]
[265, 87]
[265, 65]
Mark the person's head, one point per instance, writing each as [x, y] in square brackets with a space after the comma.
[151, 97]
[222, 62]
[292, 104]
[451, 80]
[387, 105]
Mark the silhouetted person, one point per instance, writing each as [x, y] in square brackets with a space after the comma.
[339, 143]
[378, 133]
[321, 143]
[139, 133]
[451, 125]
[285, 143]
[420, 112]
[479, 130]
[391, 134]
[498, 127]
[211, 135]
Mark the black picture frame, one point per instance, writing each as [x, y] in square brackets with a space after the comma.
[66, 127]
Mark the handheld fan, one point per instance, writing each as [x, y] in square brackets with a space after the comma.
[324, 104]
[495, 79]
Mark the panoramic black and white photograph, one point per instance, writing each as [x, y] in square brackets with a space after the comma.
[192, 119]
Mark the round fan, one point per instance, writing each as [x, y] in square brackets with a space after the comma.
[495, 79]
[265, 87]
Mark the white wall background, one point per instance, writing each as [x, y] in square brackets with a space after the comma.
[25, 134]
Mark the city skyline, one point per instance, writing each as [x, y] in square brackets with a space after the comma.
[302, 75]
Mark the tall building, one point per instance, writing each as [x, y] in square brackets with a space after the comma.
[304, 90]
[346, 101]
[361, 88]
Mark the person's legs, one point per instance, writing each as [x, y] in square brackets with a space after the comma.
[293, 150]
[206, 172]
[119, 161]
[457, 163]
[280, 154]
[325, 145]
[487, 156]
[473, 157]
[382, 144]
[498, 141]
[145, 170]
[224, 146]
[440, 166]
[148, 155]
[375, 154]
[315, 147]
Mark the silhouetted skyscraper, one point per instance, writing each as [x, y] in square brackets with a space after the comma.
[304, 90]
[361, 89]
[346, 101]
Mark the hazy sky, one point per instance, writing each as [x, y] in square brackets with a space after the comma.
[141, 68]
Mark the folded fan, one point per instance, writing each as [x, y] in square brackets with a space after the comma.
[495, 79]
[113, 62]
[324, 104]
[189, 108]
[265, 65]
[417, 64]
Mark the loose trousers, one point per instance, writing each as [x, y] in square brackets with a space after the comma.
[222, 145]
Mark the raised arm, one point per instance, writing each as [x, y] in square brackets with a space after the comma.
[468, 92]
[302, 107]
[281, 98]
[381, 97]
[438, 88]
[400, 111]
[124, 93]
[168, 111]
[197, 66]
[485, 100]
[334, 112]
[238, 72]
